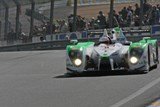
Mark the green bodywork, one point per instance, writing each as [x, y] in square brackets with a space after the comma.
[105, 57]
[80, 46]
[143, 43]
[149, 41]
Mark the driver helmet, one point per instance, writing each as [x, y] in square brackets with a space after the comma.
[105, 38]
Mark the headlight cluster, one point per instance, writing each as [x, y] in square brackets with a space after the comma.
[76, 57]
[135, 55]
[133, 60]
[78, 62]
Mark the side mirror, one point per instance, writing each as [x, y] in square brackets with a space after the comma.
[74, 42]
[127, 43]
[146, 39]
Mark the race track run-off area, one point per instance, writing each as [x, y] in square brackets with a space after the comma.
[36, 79]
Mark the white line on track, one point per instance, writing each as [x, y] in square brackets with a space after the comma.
[137, 93]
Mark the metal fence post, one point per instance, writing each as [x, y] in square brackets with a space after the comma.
[0, 30]
[141, 11]
[6, 18]
[111, 14]
[6, 22]
[74, 28]
[17, 29]
[32, 20]
[51, 17]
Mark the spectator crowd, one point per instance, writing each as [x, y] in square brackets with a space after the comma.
[127, 17]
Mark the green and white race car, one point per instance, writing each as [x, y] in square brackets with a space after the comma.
[116, 54]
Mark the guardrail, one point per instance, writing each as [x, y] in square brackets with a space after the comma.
[92, 34]
[59, 45]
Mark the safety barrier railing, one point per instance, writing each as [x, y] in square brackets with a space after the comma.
[60, 44]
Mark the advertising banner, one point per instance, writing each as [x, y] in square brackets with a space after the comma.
[155, 29]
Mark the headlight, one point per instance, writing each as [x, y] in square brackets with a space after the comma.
[76, 57]
[136, 52]
[78, 62]
[133, 60]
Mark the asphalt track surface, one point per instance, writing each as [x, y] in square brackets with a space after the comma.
[36, 79]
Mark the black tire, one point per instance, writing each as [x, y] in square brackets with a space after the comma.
[155, 66]
[148, 64]
[157, 57]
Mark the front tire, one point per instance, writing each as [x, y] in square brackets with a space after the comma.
[157, 57]
[148, 63]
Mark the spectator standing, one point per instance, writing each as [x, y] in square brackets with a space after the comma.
[81, 23]
[157, 14]
[115, 14]
[115, 19]
[154, 16]
[136, 20]
[48, 28]
[120, 19]
[101, 20]
[129, 16]
[70, 22]
[137, 10]
[63, 27]
[124, 13]
[146, 7]
[92, 24]
[11, 37]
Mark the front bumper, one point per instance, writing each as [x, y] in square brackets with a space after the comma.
[70, 71]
